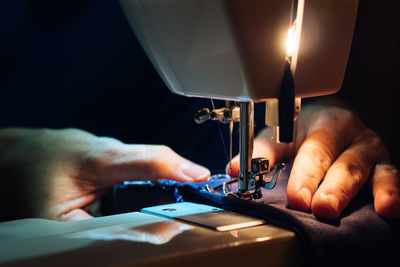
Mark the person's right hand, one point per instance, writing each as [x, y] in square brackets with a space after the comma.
[333, 155]
[57, 174]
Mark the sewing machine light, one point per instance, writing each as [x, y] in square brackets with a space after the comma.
[291, 41]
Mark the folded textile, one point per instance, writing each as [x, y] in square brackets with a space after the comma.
[360, 237]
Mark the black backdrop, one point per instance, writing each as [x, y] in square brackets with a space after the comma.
[76, 63]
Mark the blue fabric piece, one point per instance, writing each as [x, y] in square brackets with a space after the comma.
[360, 237]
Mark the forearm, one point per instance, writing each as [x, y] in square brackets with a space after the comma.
[20, 168]
[9, 183]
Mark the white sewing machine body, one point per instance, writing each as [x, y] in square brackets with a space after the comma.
[149, 239]
[236, 50]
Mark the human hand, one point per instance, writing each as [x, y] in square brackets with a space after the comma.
[56, 174]
[333, 156]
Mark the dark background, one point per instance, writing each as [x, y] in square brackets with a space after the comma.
[77, 63]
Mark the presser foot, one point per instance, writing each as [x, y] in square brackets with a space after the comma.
[260, 168]
[247, 195]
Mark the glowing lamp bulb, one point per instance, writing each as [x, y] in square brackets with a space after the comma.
[291, 41]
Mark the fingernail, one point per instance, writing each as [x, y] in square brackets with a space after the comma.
[194, 171]
[335, 206]
[327, 206]
[305, 195]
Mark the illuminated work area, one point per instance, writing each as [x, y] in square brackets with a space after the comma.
[194, 132]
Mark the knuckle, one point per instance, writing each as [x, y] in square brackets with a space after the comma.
[164, 150]
[392, 170]
[101, 154]
[109, 148]
[346, 118]
[372, 147]
[156, 153]
[72, 132]
[321, 157]
[354, 170]
[107, 141]
[109, 152]
[158, 156]
[369, 136]
[340, 114]
[374, 140]
[342, 194]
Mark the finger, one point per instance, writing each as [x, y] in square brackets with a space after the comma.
[313, 159]
[75, 215]
[346, 176]
[272, 151]
[146, 162]
[386, 190]
[327, 136]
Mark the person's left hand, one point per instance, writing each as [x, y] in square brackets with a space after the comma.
[57, 174]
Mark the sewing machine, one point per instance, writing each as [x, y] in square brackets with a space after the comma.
[245, 52]
[239, 51]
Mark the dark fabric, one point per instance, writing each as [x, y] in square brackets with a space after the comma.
[359, 237]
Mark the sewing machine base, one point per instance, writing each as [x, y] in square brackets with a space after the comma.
[142, 239]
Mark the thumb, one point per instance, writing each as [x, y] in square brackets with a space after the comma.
[149, 162]
[262, 148]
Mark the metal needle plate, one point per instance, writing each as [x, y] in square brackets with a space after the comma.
[204, 215]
